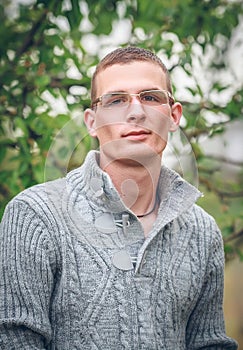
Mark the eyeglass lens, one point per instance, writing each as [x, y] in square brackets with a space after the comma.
[150, 98]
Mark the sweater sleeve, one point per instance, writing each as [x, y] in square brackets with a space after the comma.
[206, 329]
[26, 282]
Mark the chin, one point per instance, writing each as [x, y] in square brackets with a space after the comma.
[131, 152]
[143, 157]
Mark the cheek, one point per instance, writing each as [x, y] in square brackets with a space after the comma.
[102, 126]
[161, 125]
[107, 132]
[161, 130]
[159, 143]
[160, 116]
[105, 120]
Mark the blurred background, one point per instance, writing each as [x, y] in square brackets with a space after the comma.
[48, 51]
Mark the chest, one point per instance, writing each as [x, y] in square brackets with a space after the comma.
[129, 306]
[171, 270]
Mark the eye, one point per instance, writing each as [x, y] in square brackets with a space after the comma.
[154, 97]
[149, 98]
[112, 100]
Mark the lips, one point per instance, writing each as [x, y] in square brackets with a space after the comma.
[136, 135]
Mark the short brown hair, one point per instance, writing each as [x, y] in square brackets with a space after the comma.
[124, 56]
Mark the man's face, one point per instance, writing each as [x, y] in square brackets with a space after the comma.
[137, 131]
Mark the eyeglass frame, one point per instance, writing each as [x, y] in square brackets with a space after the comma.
[171, 99]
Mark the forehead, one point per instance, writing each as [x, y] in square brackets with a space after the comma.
[131, 77]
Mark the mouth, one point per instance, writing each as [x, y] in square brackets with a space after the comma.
[136, 135]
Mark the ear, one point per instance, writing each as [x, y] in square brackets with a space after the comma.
[89, 119]
[176, 113]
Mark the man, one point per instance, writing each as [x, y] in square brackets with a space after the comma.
[117, 255]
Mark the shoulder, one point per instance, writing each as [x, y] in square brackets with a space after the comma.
[202, 218]
[37, 202]
[40, 194]
[32, 219]
[204, 226]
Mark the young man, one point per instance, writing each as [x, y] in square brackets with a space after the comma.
[117, 255]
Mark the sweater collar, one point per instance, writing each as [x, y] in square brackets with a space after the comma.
[176, 195]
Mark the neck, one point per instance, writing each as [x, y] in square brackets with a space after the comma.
[136, 183]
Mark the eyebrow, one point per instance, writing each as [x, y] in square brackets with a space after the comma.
[123, 91]
[116, 91]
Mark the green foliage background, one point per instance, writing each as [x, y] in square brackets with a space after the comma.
[44, 41]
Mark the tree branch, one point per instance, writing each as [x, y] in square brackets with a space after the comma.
[30, 35]
[234, 236]
[224, 159]
[220, 193]
[195, 132]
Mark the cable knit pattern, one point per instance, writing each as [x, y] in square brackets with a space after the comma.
[61, 288]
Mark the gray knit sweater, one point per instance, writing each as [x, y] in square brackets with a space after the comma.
[77, 273]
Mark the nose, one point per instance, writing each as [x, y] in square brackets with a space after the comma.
[136, 112]
[134, 99]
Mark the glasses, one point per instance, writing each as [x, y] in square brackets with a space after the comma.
[152, 98]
